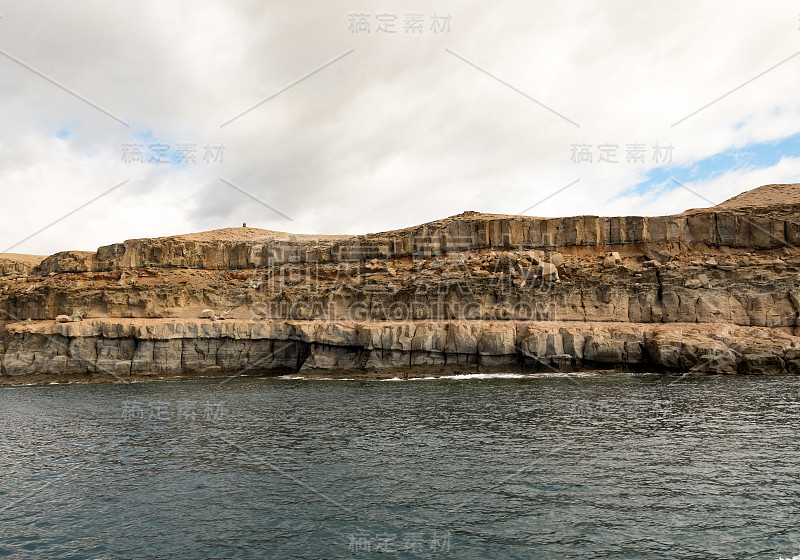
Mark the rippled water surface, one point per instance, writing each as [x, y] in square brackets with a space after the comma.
[541, 467]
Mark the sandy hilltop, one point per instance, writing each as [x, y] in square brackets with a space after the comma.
[710, 290]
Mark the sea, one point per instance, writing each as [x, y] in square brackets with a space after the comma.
[479, 466]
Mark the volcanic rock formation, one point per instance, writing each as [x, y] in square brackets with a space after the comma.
[708, 290]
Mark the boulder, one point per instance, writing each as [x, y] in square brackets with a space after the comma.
[536, 257]
[548, 271]
[762, 363]
[604, 350]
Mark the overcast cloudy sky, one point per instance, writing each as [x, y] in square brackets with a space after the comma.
[123, 119]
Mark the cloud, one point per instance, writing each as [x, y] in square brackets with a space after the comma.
[406, 128]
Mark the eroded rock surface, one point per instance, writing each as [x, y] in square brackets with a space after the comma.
[733, 265]
[765, 220]
[160, 347]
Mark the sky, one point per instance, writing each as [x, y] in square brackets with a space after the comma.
[128, 119]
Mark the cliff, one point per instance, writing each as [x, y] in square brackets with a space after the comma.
[763, 220]
[733, 268]
[11, 263]
[128, 349]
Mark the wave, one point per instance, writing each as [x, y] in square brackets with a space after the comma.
[456, 377]
[300, 377]
[470, 376]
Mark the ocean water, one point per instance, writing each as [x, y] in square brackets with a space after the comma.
[561, 467]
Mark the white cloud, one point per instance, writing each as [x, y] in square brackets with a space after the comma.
[707, 192]
[396, 133]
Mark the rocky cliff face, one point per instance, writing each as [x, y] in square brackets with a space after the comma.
[11, 264]
[127, 349]
[732, 225]
[735, 264]
[754, 290]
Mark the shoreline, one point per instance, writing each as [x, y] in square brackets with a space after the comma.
[45, 380]
[125, 350]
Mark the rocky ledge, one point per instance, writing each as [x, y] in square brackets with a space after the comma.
[767, 220]
[137, 348]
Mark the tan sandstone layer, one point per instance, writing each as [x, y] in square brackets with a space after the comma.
[12, 263]
[768, 223]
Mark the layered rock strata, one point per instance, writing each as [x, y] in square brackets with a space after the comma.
[754, 290]
[12, 264]
[741, 227]
[732, 267]
[126, 349]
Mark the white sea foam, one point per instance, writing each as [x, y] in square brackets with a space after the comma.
[463, 377]
[466, 376]
[470, 376]
[21, 385]
[300, 377]
[564, 374]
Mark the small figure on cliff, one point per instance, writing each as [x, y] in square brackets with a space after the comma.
[244, 224]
